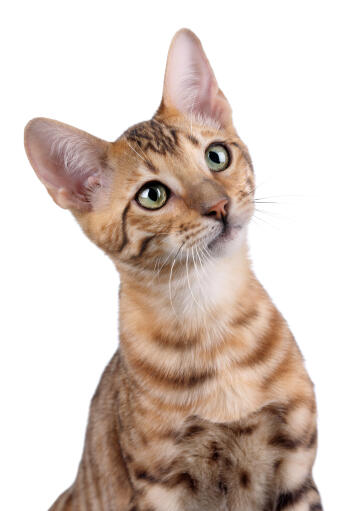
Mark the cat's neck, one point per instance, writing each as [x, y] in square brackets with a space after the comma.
[172, 338]
[187, 301]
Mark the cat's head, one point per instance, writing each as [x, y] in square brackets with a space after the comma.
[180, 185]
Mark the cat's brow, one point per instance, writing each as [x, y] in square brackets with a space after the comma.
[193, 139]
[144, 158]
[245, 154]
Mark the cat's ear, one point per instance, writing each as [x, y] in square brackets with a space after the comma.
[69, 162]
[190, 85]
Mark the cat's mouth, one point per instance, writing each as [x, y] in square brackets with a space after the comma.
[229, 232]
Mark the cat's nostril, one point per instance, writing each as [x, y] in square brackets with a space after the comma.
[219, 210]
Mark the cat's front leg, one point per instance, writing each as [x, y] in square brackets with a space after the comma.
[303, 498]
[295, 443]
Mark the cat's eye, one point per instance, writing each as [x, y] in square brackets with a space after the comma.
[152, 195]
[217, 157]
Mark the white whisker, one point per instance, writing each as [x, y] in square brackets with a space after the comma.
[170, 277]
[138, 154]
[201, 261]
[188, 280]
[176, 250]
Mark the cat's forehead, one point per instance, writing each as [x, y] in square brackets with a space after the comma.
[155, 137]
[160, 148]
[165, 138]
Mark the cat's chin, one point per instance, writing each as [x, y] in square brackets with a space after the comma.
[228, 240]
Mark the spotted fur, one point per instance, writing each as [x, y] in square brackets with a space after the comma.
[206, 404]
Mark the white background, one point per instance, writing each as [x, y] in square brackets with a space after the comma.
[292, 71]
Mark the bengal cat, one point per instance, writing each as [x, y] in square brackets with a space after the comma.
[206, 404]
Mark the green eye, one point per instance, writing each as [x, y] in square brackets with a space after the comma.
[217, 157]
[152, 195]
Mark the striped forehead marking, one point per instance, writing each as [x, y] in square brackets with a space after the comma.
[154, 136]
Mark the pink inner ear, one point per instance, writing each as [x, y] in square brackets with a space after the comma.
[190, 84]
[68, 161]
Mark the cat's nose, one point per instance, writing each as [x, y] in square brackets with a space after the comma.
[219, 210]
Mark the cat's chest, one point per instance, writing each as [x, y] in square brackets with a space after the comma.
[211, 467]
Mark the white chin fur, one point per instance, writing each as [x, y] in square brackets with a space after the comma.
[227, 245]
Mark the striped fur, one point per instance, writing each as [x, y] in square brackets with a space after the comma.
[206, 404]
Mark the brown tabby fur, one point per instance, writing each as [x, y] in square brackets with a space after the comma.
[206, 404]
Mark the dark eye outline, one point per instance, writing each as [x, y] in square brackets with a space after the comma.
[148, 185]
[229, 155]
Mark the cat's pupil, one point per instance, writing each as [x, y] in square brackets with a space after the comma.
[153, 194]
[214, 157]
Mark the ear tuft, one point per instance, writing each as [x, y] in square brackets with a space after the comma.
[68, 161]
[190, 85]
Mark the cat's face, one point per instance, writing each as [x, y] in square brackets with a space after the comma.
[179, 186]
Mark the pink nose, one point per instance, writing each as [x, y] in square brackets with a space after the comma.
[219, 210]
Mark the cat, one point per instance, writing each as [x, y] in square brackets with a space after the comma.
[206, 404]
